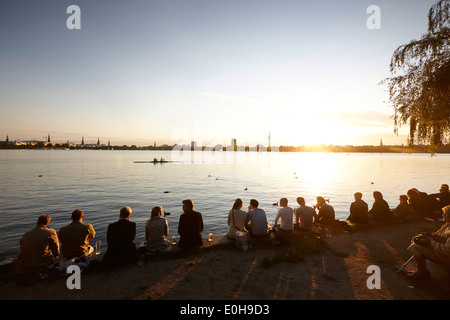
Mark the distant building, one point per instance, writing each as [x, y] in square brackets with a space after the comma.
[194, 145]
[381, 142]
[234, 144]
[82, 140]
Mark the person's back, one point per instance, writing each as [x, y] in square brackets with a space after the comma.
[156, 232]
[403, 210]
[120, 237]
[326, 215]
[305, 217]
[190, 226]
[39, 247]
[75, 238]
[258, 221]
[236, 221]
[285, 214]
[286, 217]
[380, 209]
[358, 210]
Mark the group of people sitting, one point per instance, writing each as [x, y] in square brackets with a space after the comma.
[40, 247]
[412, 204]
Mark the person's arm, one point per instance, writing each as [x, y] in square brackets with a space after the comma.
[276, 218]
[91, 232]
[54, 244]
[166, 228]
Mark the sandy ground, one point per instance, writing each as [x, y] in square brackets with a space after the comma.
[223, 272]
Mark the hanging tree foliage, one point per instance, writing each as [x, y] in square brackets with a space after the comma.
[419, 88]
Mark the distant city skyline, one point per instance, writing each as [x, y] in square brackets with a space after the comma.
[144, 71]
[193, 144]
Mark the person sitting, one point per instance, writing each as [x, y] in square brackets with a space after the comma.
[120, 237]
[434, 247]
[256, 221]
[358, 210]
[190, 226]
[403, 210]
[285, 214]
[75, 237]
[156, 231]
[236, 219]
[380, 209]
[39, 247]
[441, 199]
[304, 216]
[419, 203]
[326, 215]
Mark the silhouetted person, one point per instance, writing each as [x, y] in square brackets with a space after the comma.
[120, 237]
[326, 215]
[285, 214]
[441, 199]
[39, 247]
[420, 203]
[190, 226]
[434, 247]
[75, 237]
[256, 222]
[358, 210]
[380, 209]
[304, 216]
[236, 219]
[403, 210]
[156, 231]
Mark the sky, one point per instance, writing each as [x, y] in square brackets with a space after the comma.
[173, 71]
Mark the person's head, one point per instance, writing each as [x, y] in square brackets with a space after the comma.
[403, 198]
[125, 213]
[254, 203]
[301, 201]
[77, 215]
[443, 188]
[238, 204]
[320, 201]
[446, 213]
[43, 220]
[412, 193]
[156, 211]
[357, 195]
[188, 205]
[377, 195]
[283, 202]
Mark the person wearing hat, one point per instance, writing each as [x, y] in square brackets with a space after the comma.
[75, 237]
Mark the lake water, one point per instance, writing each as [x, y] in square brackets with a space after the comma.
[101, 182]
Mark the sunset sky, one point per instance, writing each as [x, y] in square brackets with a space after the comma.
[178, 70]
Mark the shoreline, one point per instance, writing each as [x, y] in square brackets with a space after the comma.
[223, 272]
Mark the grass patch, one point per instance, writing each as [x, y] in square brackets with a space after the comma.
[295, 252]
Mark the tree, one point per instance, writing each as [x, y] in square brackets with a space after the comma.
[419, 86]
